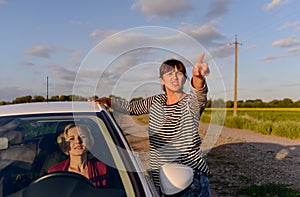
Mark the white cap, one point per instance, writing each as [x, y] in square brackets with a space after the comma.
[175, 178]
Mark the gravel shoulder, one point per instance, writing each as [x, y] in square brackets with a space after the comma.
[238, 158]
[241, 158]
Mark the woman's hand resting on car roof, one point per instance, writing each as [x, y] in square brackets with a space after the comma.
[105, 101]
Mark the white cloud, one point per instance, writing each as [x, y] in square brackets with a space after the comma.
[27, 63]
[124, 41]
[75, 58]
[2, 2]
[293, 50]
[273, 4]
[62, 73]
[120, 58]
[158, 8]
[289, 24]
[125, 63]
[222, 51]
[250, 47]
[62, 80]
[40, 51]
[101, 34]
[287, 42]
[218, 7]
[271, 57]
[207, 34]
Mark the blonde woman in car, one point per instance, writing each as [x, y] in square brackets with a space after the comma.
[73, 142]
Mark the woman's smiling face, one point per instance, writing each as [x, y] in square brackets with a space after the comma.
[77, 141]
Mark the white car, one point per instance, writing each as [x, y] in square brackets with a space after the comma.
[28, 147]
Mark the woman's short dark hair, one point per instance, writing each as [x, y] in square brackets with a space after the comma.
[171, 64]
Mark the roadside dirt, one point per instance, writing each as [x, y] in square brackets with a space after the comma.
[241, 158]
[237, 158]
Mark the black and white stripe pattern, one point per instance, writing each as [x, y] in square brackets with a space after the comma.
[173, 129]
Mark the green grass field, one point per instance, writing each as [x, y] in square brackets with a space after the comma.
[284, 122]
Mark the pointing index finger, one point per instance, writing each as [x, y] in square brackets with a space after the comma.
[200, 59]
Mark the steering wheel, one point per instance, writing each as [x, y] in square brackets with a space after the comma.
[59, 184]
[61, 175]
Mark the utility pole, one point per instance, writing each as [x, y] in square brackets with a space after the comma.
[47, 89]
[236, 43]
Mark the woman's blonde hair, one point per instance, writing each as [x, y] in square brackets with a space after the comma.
[62, 138]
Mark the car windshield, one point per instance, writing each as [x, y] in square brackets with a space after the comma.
[28, 148]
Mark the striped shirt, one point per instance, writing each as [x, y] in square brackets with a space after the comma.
[173, 129]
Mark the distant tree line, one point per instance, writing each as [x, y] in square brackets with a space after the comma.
[30, 99]
[286, 102]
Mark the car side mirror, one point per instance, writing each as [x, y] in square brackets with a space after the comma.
[3, 143]
[175, 178]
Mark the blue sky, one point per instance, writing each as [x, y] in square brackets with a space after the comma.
[115, 47]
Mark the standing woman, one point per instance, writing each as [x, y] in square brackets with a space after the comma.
[174, 121]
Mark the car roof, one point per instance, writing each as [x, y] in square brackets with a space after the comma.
[48, 107]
